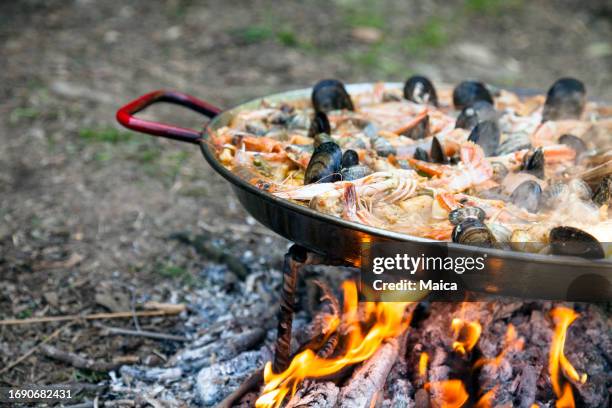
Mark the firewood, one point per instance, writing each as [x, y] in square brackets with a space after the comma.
[76, 360]
[369, 379]
[315, 395]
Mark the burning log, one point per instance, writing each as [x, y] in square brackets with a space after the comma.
[369, 378]
[315, 395]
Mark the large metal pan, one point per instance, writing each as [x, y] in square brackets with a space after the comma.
[508, 273]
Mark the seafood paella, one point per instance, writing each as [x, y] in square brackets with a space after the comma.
[470, 164]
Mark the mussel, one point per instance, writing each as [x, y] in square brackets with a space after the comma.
[325, 164]
[382, 146]
[437, 152]
[470, 92]
[565, 99]
[527, 195]
[355, 172]
[420, 130]
[575, 143]
[462, 214]
[419, 89]
[487, 135]
[330, 94]
[473, 232]
[499, 171]
[472, 115]
[575, 242]
[320, 124]
[350, 158]
[421, 154]
[603, 193]
[322, 138]
[533, 163]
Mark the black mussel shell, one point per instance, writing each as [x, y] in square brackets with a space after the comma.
[470, 92]
[472, 115]
[500, 171]
[575, 242]
[486, 135]
[320, 124]
[382, 147]
[419, 89]
[603, 193]
[355, 172]
[330, 94]
[473, 232]
[565, 99]
[324, 165]
[420, 130]
[421, 154]
[527, 195]
[459, 215]
[350, 158]
[437, 152]
[575, 143]
[533, 163]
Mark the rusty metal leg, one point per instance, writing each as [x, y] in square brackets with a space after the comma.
[294, 260]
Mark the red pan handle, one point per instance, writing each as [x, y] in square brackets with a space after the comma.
[125, 115]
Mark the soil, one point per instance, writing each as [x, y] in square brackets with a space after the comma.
[90, 214]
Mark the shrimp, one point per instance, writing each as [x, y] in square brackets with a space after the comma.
[549, 132]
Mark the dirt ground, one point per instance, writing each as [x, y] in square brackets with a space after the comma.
[90, 213]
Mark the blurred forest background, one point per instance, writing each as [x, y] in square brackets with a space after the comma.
[94, 218]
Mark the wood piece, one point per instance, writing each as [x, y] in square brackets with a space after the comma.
[254, 381]
[34, 349]
[369, 378]
[315, 395]
[167, 311]
[141, 333]
[76, 360]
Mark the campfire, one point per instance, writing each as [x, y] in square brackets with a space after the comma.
[363, 345]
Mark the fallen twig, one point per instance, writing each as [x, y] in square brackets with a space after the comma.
[141, 333]
[164, 310]
[33, 349]
[77, 361]
[252, 382]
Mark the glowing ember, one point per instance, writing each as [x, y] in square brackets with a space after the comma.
[466, 335]
[447, 394]
[359, 345]
[423, 361]
[562, 317]
[488, 398]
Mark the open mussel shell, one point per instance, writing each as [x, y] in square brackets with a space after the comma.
[382, 146]
[330, 94]
[603, 193]
[575, 143]
[320, 124]
[527, 195]
[472, 115]
[459, 215]
[473, 232]
[487, 135]
[355, 172]
[350, 158]
[325, 164]
[469, 92]
[420, 130]
[575, 242]
[533, 163]
[565, 99]
[419, 89]
[437, 152]
[421, 154]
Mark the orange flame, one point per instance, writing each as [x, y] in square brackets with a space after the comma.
[488, 398]
[563, 317]
[511, 342]
[423, 362]
[447, 394]
[388, 322]
[466, 335]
